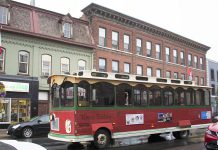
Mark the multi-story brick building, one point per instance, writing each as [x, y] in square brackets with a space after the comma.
[127, 45]
[36, 43]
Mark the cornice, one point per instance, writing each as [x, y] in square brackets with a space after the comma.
[106, 13]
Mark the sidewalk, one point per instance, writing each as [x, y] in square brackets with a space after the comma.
[3, 134]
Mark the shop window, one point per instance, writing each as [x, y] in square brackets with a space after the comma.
[81, 65]
[20, 110]
[5, 111]
[46, 65]
[23, 62]
[2, 59]
[3, 15]
[65, 66]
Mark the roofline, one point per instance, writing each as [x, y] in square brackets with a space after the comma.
[98, 10]
[12, 30]
[47, 11]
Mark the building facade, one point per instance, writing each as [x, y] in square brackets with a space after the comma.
[127, 45]
[213, 82]
[36, 43]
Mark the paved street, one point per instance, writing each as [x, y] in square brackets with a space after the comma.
[195, 142]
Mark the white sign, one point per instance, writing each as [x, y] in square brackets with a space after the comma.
[16, 86]
[132, 119]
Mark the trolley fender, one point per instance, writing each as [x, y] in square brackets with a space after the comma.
[97, 126]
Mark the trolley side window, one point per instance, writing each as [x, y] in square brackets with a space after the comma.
[83, 94]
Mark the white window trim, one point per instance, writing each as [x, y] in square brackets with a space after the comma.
[27, 63]
[49, 69]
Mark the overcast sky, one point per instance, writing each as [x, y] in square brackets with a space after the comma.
[194, 19]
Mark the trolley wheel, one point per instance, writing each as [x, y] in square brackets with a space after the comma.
[181, 134]
[27, 132]
[102, 139]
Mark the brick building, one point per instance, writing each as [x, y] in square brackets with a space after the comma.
[127, 45]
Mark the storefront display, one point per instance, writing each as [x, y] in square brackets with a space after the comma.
[4, 110]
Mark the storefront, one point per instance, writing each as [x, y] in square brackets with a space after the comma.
[20, 102]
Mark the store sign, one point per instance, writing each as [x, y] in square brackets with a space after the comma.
[16, 86]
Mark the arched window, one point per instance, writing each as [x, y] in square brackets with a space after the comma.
[156, 96]
[199, 97]
[2, 59]
[124, 95]
[190, 97]
[46, 65]
[207, 97]
[179, 96]
[168, 96]
[66, 94]
[81, 65]
[103, 94]
[140, 95]
[83, 94]
[65, 65]
[23, 62]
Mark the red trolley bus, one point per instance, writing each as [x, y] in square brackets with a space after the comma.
[101, 107]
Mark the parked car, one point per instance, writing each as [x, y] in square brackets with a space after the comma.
[36, 126]
[211, 137]
[19, 145]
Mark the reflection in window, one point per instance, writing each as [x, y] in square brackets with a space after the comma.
[102, 64]
[126, 43]
[23, 62]
[66, 94]
[83, 94]
[140, 96]
[149, 49]
[168, 98]
[3, 15]
[103, 94]
[67, 30]
[81, 65]
[102, 37]
[124, 94]
[156, 97]
[2, 59]
[65, 65]
[46, 65]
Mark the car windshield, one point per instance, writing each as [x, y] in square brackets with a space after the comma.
[34, 118]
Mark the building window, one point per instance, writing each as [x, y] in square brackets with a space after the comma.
[212, 75]
[168, 74]
[139, 46]
[126, 68]
[158, 51]
[81, 65]
[158, 73]
[196, 80]
[202, 81]
[175, 75]
[167, 49]
[189, 60]
[3, 15]
[149, 71]
[115, 66]
[201, 64]
[65, 65]
[175, 56]
[183, 76]
[23, 62]
[2, 59]
[102, 64]
[195, 61]
[115, 40]
[67, 30]
[217, 76]
[102, 37]
[126, 43]
[46, 65]
[213, 89]
[139, 70]
[149, 48]
[182, 58]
